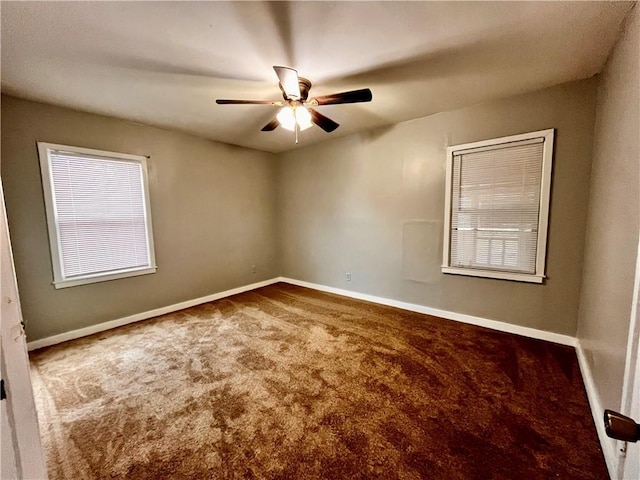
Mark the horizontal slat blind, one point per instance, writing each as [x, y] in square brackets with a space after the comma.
[495, 208]
[100, 214]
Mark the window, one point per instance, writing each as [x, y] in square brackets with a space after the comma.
[98, 214]
[497, 207]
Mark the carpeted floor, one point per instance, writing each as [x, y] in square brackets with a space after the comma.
[289, 383]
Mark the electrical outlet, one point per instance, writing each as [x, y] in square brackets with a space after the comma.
[253, 269]
[348, 277]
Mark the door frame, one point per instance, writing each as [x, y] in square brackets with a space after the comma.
[23, 453]
[629, 463]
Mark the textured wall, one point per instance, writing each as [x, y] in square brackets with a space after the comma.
[373, 205]
[212, 205]
[613, 219]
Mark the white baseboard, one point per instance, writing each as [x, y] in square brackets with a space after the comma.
[609, 445]
[458, 317]
[101, 327]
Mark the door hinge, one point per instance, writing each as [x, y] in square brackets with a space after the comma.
[3, 393]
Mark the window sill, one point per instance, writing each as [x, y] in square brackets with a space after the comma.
[73, 282]
[518, 277]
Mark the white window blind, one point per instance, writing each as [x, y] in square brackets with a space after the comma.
[97, 209]
[498, 208]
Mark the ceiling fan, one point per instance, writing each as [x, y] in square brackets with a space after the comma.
[297, 112]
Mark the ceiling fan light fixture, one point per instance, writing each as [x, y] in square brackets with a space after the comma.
[288, 117]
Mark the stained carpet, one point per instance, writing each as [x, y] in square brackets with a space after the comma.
[289, 383]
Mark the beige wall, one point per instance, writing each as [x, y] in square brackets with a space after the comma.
[212, 205]
[373, 204]
[613, 219]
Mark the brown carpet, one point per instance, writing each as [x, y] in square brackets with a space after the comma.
[289, 383]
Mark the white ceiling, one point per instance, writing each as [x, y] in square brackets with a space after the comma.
[165, 63]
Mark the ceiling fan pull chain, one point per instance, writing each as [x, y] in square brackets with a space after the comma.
[296, 126]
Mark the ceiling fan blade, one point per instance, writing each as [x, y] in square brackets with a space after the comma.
[353, 96]
[272, 125]
[289, 80]
[246, 102]
[323, 122]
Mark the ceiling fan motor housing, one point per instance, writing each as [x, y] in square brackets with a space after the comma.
[305, 86]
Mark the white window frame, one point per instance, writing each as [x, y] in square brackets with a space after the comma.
[59, 279]
[543, 217]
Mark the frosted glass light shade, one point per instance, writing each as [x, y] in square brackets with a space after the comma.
[286, 118]
[303, 117]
